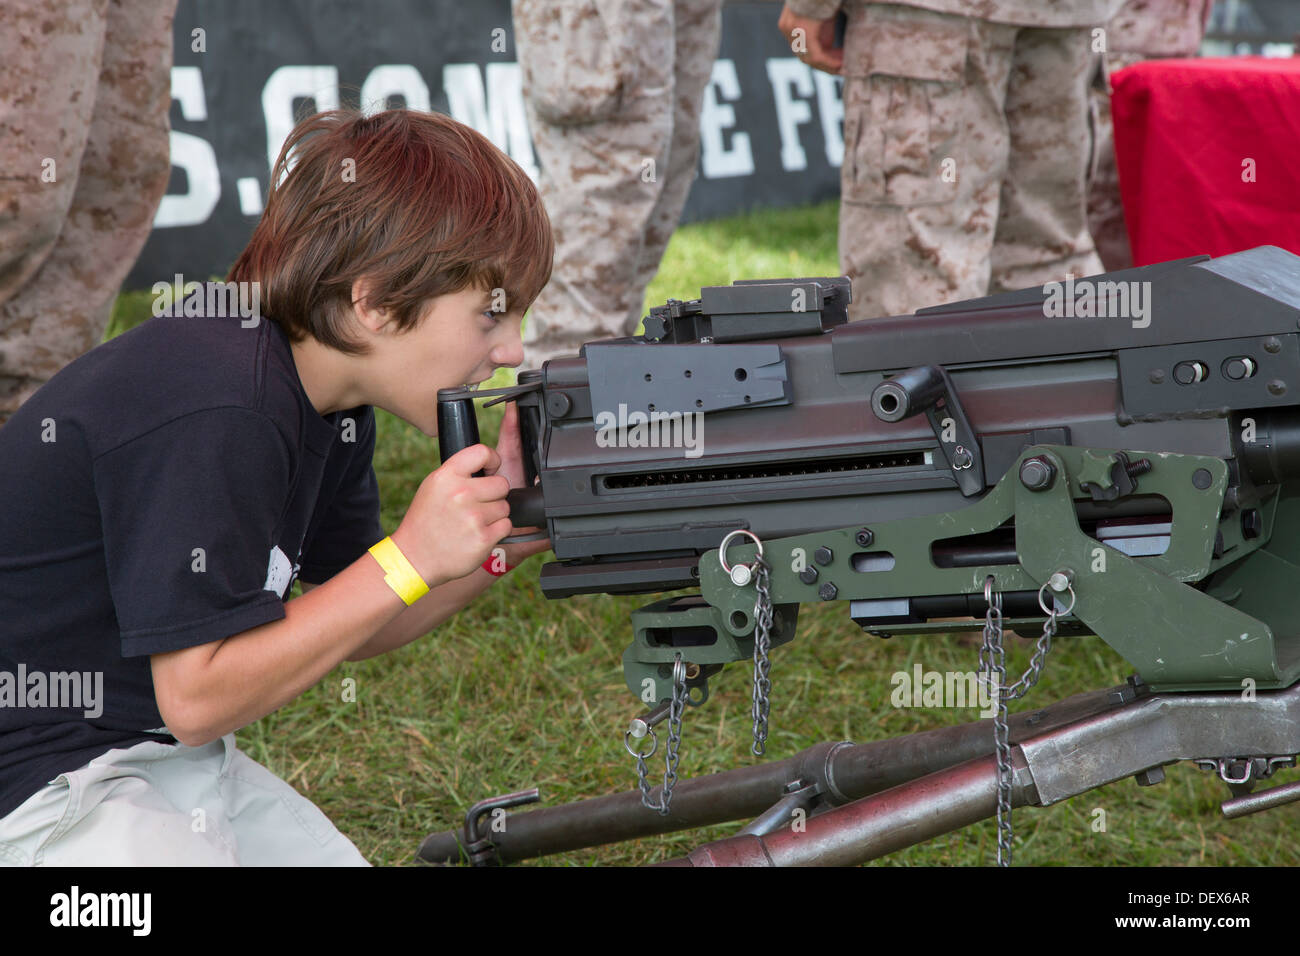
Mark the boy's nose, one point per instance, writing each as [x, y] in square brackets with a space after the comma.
[512, 353]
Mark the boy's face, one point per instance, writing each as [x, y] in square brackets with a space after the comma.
[460, 340]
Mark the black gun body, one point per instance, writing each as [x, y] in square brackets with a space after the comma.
[814, 455]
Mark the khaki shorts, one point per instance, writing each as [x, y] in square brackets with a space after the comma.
[158, 804]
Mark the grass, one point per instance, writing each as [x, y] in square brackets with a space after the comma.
[518, 691]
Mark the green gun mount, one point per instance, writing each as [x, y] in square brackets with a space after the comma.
[1195, 601]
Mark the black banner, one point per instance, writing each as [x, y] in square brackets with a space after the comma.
[244, 69]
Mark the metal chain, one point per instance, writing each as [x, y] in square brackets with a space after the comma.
[762, 644]
[993, 664]
[1043, 645]
[675, 711]
[643, 782]
[673, 753]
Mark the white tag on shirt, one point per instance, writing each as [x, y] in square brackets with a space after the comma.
[279, 573]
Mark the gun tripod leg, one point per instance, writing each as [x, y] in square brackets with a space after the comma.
[1129, 740]
[843, 771]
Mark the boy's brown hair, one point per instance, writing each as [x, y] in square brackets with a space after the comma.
[415, 202]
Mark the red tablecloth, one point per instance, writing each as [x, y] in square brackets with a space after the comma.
[1209, 155]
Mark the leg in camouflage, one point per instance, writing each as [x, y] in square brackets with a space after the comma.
[925, 154]
[966, 150]
[1141, 30]
[698, 25]
[1042, 231]
[1105, 210]
[601, 81]
[91, 84]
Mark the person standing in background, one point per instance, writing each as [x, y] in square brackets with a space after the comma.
[613, 90]
[967, 143]
[1142, 30]
[85, 90]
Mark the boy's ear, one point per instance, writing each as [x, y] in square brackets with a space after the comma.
[370, 318]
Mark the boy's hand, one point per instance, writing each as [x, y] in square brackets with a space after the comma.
[510, 450]
[455, 519]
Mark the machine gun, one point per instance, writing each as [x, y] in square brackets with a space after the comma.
[1116, 456]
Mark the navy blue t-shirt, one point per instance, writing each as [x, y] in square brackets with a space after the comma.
[160, 492]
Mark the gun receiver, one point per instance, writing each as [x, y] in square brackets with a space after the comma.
[900, 462]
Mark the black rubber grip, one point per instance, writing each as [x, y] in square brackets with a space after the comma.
[457, 428]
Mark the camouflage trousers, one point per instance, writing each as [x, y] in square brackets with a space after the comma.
[83, 165]
[1106, 219]
[967, 149]
[614, 90]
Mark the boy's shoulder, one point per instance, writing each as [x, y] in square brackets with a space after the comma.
[170, 368]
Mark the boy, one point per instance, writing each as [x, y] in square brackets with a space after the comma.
[163, 491]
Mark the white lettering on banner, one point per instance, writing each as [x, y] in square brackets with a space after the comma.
[394, 79]
[718, 161]
[192, 154]
[497, 111]
[785, 73]
[489, 99]
[250, 195]
[830, 109]
[289, 83]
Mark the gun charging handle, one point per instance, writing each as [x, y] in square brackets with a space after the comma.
[907, 394]
[928, 390]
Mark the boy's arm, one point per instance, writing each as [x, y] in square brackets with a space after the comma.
[446, 600]
[207, 691]
[440, 604]
[211, 689]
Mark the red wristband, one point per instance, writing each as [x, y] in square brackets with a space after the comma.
[496, 566]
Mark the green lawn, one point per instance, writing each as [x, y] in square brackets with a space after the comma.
[519, 691]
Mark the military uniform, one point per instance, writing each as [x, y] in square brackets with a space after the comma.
[614, 90]
[1142, 30]
[966, 146]
[84, 162]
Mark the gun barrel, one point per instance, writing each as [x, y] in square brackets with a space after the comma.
[1270, 444]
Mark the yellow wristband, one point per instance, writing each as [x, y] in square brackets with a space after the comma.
[398, 572]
